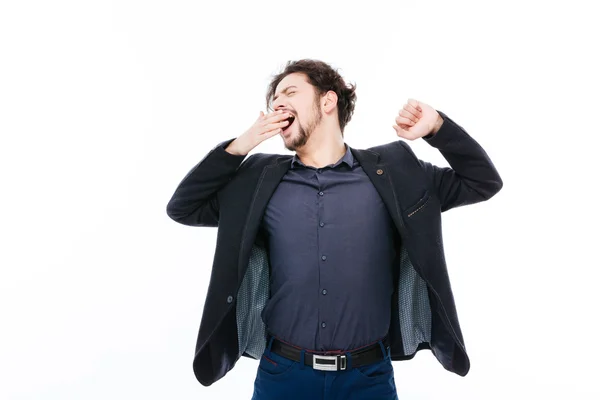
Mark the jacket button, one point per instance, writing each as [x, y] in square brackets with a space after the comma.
[379, 172]
[229, 299]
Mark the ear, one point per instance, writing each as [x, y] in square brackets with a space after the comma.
[330, 101]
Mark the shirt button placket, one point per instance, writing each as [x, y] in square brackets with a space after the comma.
[323, 258]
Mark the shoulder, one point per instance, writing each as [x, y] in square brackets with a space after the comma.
[397, 153]
[391, 149]
[258, 161]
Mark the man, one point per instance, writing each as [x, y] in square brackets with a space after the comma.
[329, 263]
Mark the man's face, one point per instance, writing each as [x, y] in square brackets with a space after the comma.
[295, 95]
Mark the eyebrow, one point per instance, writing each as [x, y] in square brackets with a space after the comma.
[284, 90]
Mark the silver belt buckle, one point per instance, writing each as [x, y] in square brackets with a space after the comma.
[328, 365]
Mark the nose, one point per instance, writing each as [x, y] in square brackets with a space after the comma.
[279, 104]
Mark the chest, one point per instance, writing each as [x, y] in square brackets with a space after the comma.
[323, 196]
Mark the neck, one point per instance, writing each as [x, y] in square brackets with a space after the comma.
[324, 147]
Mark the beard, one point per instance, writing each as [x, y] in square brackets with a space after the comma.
[304, 132]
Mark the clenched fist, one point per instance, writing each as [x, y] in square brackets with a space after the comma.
[416, 120]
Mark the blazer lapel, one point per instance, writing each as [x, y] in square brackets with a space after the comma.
[267, 183]
[380, 176]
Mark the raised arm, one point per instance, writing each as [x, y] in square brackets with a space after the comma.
[471, 177]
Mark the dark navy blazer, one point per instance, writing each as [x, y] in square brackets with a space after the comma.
[231, 193]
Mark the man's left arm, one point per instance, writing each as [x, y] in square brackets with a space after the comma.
[471, 177]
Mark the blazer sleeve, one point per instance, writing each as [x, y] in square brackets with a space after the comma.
[195, 201]
[471, 177]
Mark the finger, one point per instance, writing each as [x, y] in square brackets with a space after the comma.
[277, 116]
[408, 115]
[271, 133]
[400, 131]
[411, 109]
[404, 121]
[274, 126]
[415, 104]
[403, 133]
[264, 117]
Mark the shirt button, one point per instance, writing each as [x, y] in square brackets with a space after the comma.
[321, 193]
[322, 224]
[323, 324]
[229, 299]
[323, 258]
[324, 291]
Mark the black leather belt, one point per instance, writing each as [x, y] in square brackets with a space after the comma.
[328, 362]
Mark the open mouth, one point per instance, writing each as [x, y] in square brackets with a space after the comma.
[290, 119]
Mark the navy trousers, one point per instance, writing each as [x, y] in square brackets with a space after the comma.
[281, 379]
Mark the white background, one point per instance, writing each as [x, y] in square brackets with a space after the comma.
[105, 106]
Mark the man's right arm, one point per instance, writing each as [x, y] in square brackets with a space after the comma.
[195, 202]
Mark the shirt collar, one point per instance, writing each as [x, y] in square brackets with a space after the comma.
[347, 158]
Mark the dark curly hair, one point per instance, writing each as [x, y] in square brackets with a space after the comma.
[323, 78]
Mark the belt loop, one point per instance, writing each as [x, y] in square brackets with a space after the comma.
[270, 343]
[383, 351]
[302, 358]
[348, 360]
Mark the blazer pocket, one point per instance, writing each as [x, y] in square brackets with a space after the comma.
[419, 205]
